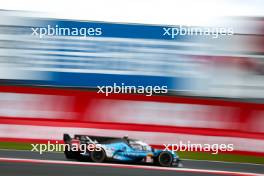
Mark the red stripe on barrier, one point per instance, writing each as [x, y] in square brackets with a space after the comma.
[137, 97]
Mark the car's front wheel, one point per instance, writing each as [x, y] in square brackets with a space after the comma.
[165, 159]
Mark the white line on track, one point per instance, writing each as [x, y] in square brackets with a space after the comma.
[215, 172]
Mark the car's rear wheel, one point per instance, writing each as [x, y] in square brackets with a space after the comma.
[69, 154]
[98, 156]
[165, 159]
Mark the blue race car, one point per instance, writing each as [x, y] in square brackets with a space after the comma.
[125, 150]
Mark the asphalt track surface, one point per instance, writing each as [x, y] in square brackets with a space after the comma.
[26, 163]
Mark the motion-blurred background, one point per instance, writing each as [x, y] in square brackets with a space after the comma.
[216, 86]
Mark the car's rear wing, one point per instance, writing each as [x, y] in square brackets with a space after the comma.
[66, 137]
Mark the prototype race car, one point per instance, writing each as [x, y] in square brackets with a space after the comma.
[126, 150]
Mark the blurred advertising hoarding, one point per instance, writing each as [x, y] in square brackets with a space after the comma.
[135, 54]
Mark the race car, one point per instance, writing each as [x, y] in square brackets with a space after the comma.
[126, 150]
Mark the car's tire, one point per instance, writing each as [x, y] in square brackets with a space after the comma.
[165, 159]
[69, 154]
[98, 156]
